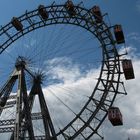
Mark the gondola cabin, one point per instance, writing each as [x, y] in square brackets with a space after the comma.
[97, 14]
[70, 8]
[42, 12]
[17, 24]
[3, 101]
[115, 116]
[119, 34]
[128, 69]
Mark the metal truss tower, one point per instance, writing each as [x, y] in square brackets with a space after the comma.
[22, 125]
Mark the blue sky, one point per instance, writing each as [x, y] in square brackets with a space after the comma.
[120, 12]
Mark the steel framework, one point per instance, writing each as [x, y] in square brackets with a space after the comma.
[106, 88]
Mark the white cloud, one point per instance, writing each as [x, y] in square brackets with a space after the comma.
[64, 69]
[133, 131]
[75, 85]
[134, 36]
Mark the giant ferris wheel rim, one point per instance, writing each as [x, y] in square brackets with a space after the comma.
[84, 19]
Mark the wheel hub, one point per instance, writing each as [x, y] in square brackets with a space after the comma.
[20, 62]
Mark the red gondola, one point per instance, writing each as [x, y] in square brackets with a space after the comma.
[17, 24]
[119, 34]
[97, 14]
[128, 69]
[70, 8]
[3, 101]
[42, 11]
[115, 116]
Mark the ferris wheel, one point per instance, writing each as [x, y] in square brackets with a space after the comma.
[60, 73]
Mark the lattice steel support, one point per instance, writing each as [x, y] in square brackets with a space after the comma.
[22, 97]
[48, 125]
[28, 120]
[18, 109]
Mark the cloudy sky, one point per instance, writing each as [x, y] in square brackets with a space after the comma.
[69, 74]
